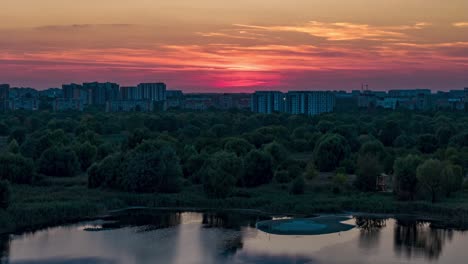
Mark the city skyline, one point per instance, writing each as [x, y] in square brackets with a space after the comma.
[237, 47]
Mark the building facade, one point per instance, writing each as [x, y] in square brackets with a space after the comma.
[267, 102]
[102, 92]
[130, 106]
[152, 91]
[67, 104]
[310, 102]
[4, 96]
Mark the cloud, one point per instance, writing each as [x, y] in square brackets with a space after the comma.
[342, 31]
[460, 24]
[80, 27]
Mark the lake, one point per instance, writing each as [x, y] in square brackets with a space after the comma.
[228, 237]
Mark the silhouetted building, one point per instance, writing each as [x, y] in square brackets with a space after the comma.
[4, 96]
[310, 102]
[225, 101]
[24, 103]
[129, 93]
[78, 92]
[198, 101]
[67, 104]
[4, 91]
[52, 93]
[23, 92]
[267, 102]
[175, 98]
[130, 106]
[409, 92]
[102, 92]
[152, 91]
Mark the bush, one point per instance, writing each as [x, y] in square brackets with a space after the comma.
[258, 169]
[86, 154]
[282, 176]
[330, 151]
[58, 162]
[108, 173]
[5, 194]
[152, 167]
[16, 168]
[297, 186]
[368, 169]
[220, 174]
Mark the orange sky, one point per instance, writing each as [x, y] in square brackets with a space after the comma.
[242, 45]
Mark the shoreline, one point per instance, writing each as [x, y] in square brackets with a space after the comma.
[438, 221]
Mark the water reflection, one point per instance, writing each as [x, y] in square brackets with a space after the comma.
[145, 237]
[415, 238]
[369, 231]
[4, 248]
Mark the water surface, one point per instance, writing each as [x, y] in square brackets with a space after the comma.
[204, 238]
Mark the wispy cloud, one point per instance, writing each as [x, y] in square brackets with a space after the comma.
[461, 24]
[342, 31]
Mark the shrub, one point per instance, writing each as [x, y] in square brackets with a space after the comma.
[282, 176]
[86, 154]
[258, 169]
[58, 162]
[368, 169]
[107, 173]
[220, 174]
[5, 193]
[297, 186]
[16, 168]
[330, 151]
[152, 167]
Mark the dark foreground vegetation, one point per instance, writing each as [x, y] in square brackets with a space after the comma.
[60, 167]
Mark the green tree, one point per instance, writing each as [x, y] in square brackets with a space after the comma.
[86, 154]
[297, 186]
[16, 168]
[13, 147]
[453, 178]
[389, 132]
[258, 168]
[310, 172]
[406, 181]
[220, 174]
[282, 176]
[368, 169]
[152, 167]
[108, 173]
[330, 151]
[5, 194]
[19, 135]
[277, 151]
[429, 174]
[58, 161]
[239, 146]
[427, 143]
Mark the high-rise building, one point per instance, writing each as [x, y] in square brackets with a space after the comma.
[4, 95]
[175, 98]
[130, 106]
[409, 92]
[71, 90]
[102, 92]
[129, 93]
[152, 91]
[267, 102]
[309, 102]
[4, 91]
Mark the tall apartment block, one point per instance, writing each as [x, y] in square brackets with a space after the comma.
[310, 102]
[267, 102]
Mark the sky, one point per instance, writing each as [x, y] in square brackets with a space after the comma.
[236, 46]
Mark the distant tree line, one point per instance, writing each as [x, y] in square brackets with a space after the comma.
[424, 154]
